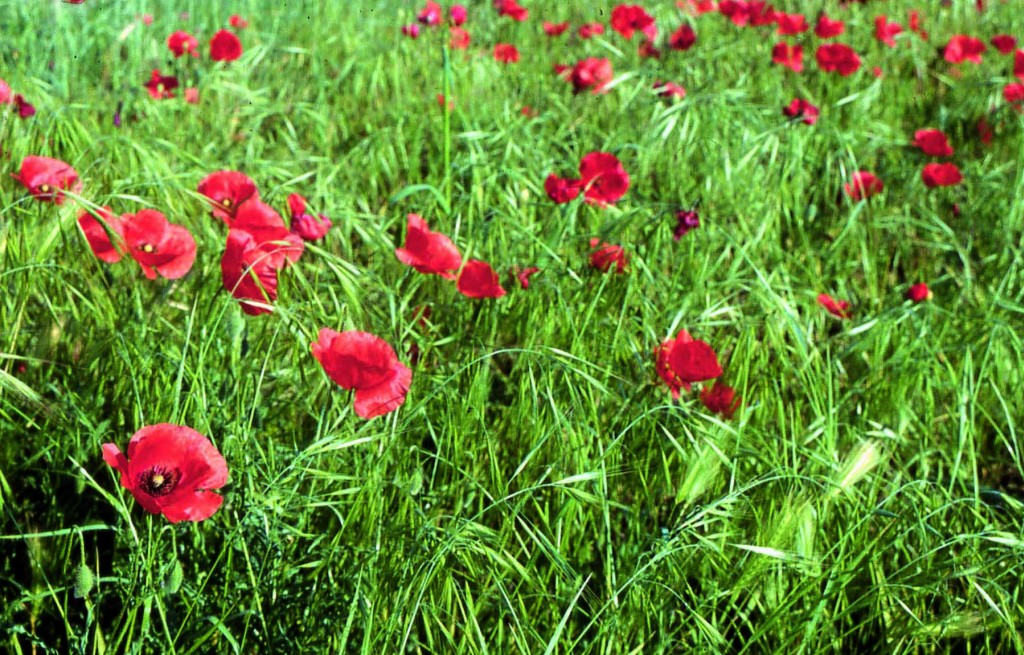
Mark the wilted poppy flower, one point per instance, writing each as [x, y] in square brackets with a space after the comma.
[25, 109]
[686, 220]
[863, 185]
[431, 14]
[839, 308]
[963, 48]
[511, 9]
[227, 190]
[790, 56]
[412, 30]
[1013, 93]
[523, 275]
[945, 174]
[309, 228]
[561, 190]
[181, 43]
[161, 86]
[157, 245]
[458, 14]
[591, 73]
[238, 22]
[826, 28]
[225, 46]
[555, 29]
[603, 178]
[590, 30]
[103, 247]
[45, 178]
[459, 38]
[627, 19]
[919, 292]
[886, 31]
[836, 57]
[669, 90]
[932, 143]
[800, 108]
[248, 273]
[478, 280]
[720, 399]
[267, 227]
[170, 470]
[683, 38]
[607, 256]
[791, 24]
[1004, 43]
[684, 360]
[364, 363]
[428, 252]
[506, 53]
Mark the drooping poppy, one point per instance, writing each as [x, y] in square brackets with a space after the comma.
[684, 360]
[512, 9]
[944, 174]
[268, 229]
[686, 220]
[720, 399]
[225, 46]
[45, 178]
[1004, 43]
[682, 39]
[364, 363]
[802, 110]
[523, 275]
[863, 185]
[478, 280]
[933, 143]
[827, 28]
[428, 252]
[25, 108]
[170, 470]
[961, 48]
[591, 73]
[248, 273]
[603, 178]
[106, 249]
[627, 19]
[506, 53]
[590, 30]
[226, 190]
[838, 58]
[838, 308]
[790, 56]
[303, 223]
[181, 43]
[161, 86]
[886, 32]
[555, 29]
[606, 256]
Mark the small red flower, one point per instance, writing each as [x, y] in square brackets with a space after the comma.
[1018, 64]
[105, 249]
[411, 30]
[591, 73]
[603, 178]
[555, 29]
[45, 178]
[863, 185]
[226, 190]
[1013, 93]
[303, 223]
[192, 95]
[945, 174]
[720, 399]
[248, 273]
[918, 293]
[648, 49]
[5, 93]
[225, 46]
[839, 308]
[161, 86]
[157, 245]
[428, 252]
[181, 43]
[791, 24]
[682, 39]
[790, 56]
[367, 364]
[826, 28]
[458, 15]
[561, 190]
[886, 31]
[170, 470]
[669, 90]
[627, 19]
[1004, 43]
[523, 275]
[914, 21]
[836, 57]
[506, 53]
[459, 38]
[430, 15]
[686, 220]
[511, 9]
[963, 48]
[607, 256]
[684, 360]
[238, 22]
[933, 143]
[267, 227]
[25, 109]
[803, 110]
[590, 30]
[478, 280]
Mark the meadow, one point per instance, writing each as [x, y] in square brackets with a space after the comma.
[659, 328]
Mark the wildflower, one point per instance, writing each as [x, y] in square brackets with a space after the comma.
[430, 15]
[161, 86]
[105, 249]
[1004, 43]
[459, 38]
[803, 110]
[791, 24]
[511, 9]
[684, 360]
[458, 15]
[863, 185]
[826, 28]
[591, 73]
[45, 178]
[478, 280]
[720, 399]
[225, 46]
[226, 190]
[607, 256]
[428, 252]
[157, 245]
[839, 308]
[523, 275]
[918, 293]
[590, 30]
[682, 39]
[836, 57]
[248, 273]
[686, 220]
[555, 29]
[886, 31]
[303, 223]
[506, 53]
[932, 143]
[364, 363]
[603, 178]
[181, 43]
[944, 174]
[238, 22]
[963, 48]
[627, 19]
[790, 56]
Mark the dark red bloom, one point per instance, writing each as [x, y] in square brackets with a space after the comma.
[25, 109]
[431, 14]
[627, 19]
[1004, 43]
[511, 9]
[561, 190]
[411, 30]
[45, 178]
[248, 273]
[428, 252]
[161, 86]
[591, 73]
[933, 143]
[836, 57]
[157, 245]
[669, 90]
[919, 292]
[226, 191]
[914, 20]
[984, 131]
[791, 24]
[686, 220]
[590, 30]
[170, 470]
[225, 46]
[790, 56]
[945, 174]
[555, 29]
[478, 280]
[1013, 93]
[523, 275]
[683, 38]
[303, 223]
[238, 22]
[886, 31]
[963, 48]
[506, 53]
[839, 308]
[607, 256]
[720, 399]
[863, 185]
[684, 360]
[826, 28]
[103, 247]
[603, 178]
[696, 7]
[181, 43]
[459, 38]
[367, 364]
[800, 108]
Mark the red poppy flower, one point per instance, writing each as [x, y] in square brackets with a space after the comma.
[555, 29]
[836, 57]
[684, 360]
[99, 239]
[839, 308]
[303, 223]
[735, 10]
[248, 273]
[412, 30]
[826, 28]
[800, 108]
[431, 14]
[45, 178]
[191, 95]
[627, 19]
[590, 30]
[686, 220]
[1013, 93]
[1004, 43]
[886, 31]
[458, 15]
[428, 252]
[918, 293]
[791, 24]
[5, 93]
[603, 178]
[790, 56]
[606, 256]
[523, 275]
[506, 53]
[1018, 64]
[267, 227]
[591, 73]
[720, 399]
[963, 48]
[478, 280]
[227, 190]
[511, 9]
[863, 185]
[945, 174]
[158, 246]
[181, 43]
[984, 131]
[914, 20]
[238, 22]
[669, 90]
[225, 46]
[697, 7]
[932, 143]
[25, 109]
[161, 86]
[170, 470]
[367, 364]
[683, 38]
[459, 38]
[561, 190]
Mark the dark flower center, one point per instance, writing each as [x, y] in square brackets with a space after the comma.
[227, 202]
[159, 481]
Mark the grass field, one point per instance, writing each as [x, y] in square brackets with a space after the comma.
[539, 490]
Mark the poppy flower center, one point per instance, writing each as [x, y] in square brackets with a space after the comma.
[159, 481]
[227, 202]
[44, 188]
[147, 247]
